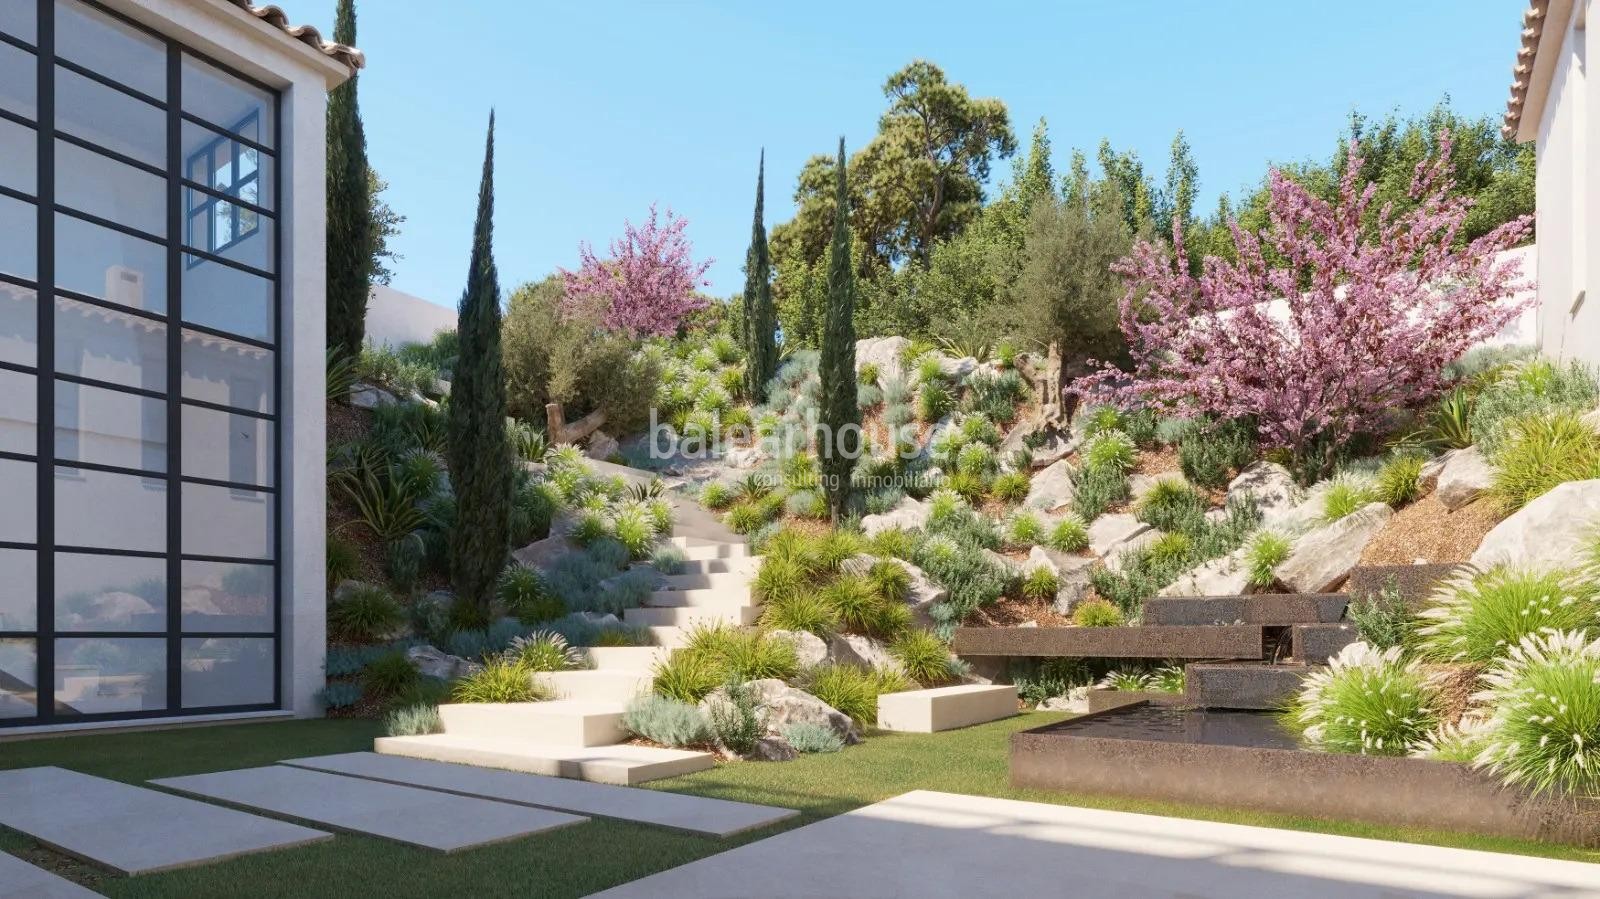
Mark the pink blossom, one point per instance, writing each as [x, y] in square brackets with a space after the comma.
[648, 285]
[1371, 322]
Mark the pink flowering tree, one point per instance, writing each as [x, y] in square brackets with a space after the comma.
[1316, 333]
[648, 285]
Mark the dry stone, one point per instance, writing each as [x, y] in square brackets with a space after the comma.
[1428, 477]
[1052, 488]
[1225, 576]
[784, 705]
[1272, 488]
[910, 514]
[883, 352]
[1554, 531]
[1109, 533]
[1072, 575]
[861, 651]
[811, 648]
[1466, 475]
[1322, 558]
[368, 396]
[432, 662]
[924, 594]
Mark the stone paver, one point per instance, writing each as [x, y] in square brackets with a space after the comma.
[133, 830]
[20, 880]
[717, 817]
[930, 845]
[424, 818]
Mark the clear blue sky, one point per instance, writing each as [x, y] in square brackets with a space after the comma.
[606, 107]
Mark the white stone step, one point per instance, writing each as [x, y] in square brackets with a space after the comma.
[687, 542]
[945, 708]
[567, 722]
[624, 764]
[689, 616]
[713, 598]
[733, 580]
[742, 564]
[618, 686]
[668, 636]
[634, 658]
[717, 551]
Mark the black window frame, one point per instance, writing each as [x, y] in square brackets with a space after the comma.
[179, 257]
[228, 195]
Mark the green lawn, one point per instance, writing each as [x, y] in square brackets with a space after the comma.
[577, 860]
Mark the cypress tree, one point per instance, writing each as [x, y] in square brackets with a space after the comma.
[350, 226]
[760, 317]
[841, 418]
[480, 461]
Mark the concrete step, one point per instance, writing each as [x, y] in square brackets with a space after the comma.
[617, 685]
[945, 708]
[716, 551]
[1315, 644]
[689, 616]
[690, 542]
[557, 723]
[1258, 687]
[624, 764]
[713, 598]
[1261, 608]
[733, 580]
[741, 564]
[627, 658]
[668, 636]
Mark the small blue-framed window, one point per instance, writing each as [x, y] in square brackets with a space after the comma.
[232, 169]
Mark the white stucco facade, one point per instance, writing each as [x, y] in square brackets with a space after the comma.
[395, 318]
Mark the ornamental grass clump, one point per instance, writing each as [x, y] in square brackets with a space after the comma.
[1265, 551]
[1345, 495]
[413, 721]
[1011, 487]
[925, 658]
[1480, 615]
[1024, 529]
[1365, 701]
[1539, 453]
[1112, 450]
[544, 651]
[1069, 535]
[1531, 388]
[1097, 613]
[1040, 584]
[1399, 480]
[1544, 699]
[500, 680]
[1171, 505]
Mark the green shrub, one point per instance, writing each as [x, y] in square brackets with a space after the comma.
[867, 373]
[341, 694]
[666, 721]
[779, 578]
[1382, 619]
[344, 560]
[737, 721]
[806, 504]
[1171, 505]
[1398, 481]
[897, 414]
[389, 674]
[802, 611]
[892, 542]
[976, 459]
[736, 654]
[1209, 454]
[930, 370]
[746, 517]
[1069, 535]
[686, 676]
[1263, 554]
[1040, 584]
[544, 651]
[1101, 419]
[669, 559]
[501, 680]
[412, 721]
[1533, 388]
[1141, 428]
[847, 688]
[1041, 679]
[858, 606]
[1448, 425]
[837, 548]
[925, 658]
[809, 737]
[1110, 450]
[1010, 487]
[1544, 734]
[933, 401]
[521, 590]
[364, 614]
[971, 486]
[717, 496]
[1541, 452]
[890, 580]
[1366, 701]
[1097, 613]
[1024, 529]
[1479, 616]
[1170, 550]
[1345, 495]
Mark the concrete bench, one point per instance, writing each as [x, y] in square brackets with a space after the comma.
[945, 708]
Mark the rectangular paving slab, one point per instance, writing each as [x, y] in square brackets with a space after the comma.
[133, 830]
[20, 880]
[717, 817]
[424, 818]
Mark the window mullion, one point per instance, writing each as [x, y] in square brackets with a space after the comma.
[176, 216]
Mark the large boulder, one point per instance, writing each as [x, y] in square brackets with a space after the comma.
[1055, 448]
[909, 514]
[1110, 533]
[784, 705]
[811, 649]
[432, 662]
[1554, 531]
[883, 352]
[544, 553]
[1072, 575]
[957, 369]
[1051, 488]
[1428, 477]
[924, 594]
[1323, 557]
[1225, 576]
[1272, 488]
[369, 396]
[602, 446]
[1464, 476]
[861, 651]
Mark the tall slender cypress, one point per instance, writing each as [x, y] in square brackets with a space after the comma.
[760, 317]
[349, 189]
[480, 460]
[841, 418]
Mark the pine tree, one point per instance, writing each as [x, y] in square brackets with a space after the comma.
[760, 317]
[349, 188]
[841, 418]
[480, 462]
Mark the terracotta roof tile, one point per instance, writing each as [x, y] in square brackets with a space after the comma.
[352, 58]
[1522, 70]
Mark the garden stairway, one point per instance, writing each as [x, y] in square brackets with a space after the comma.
[579, 733]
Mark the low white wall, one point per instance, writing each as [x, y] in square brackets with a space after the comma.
[395, 318]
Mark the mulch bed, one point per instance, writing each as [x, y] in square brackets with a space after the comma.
[1008, 611]
[1427, 532]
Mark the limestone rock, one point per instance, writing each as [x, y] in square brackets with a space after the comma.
[1110, 533]
[370, 396]
[432, 662]
[1054, 449]
[544, 553]
[883, 352]
[1140, 484]
[808, 646]
[1072, 575]
[784, 705]
[1051, 488]
[1428, 477]
[602, 446]
[1272, 488]
[743, 457]
[1553, 531]
[773, 749]
[1114, 559]
[924, 594]
[1466, 475]
[861, 651]
[1323, 557]
[1225, 576]
[987, 670]
[1076, 700]
[909, 514]
[957, 369]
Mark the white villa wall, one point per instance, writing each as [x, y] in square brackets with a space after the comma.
[395, 318]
